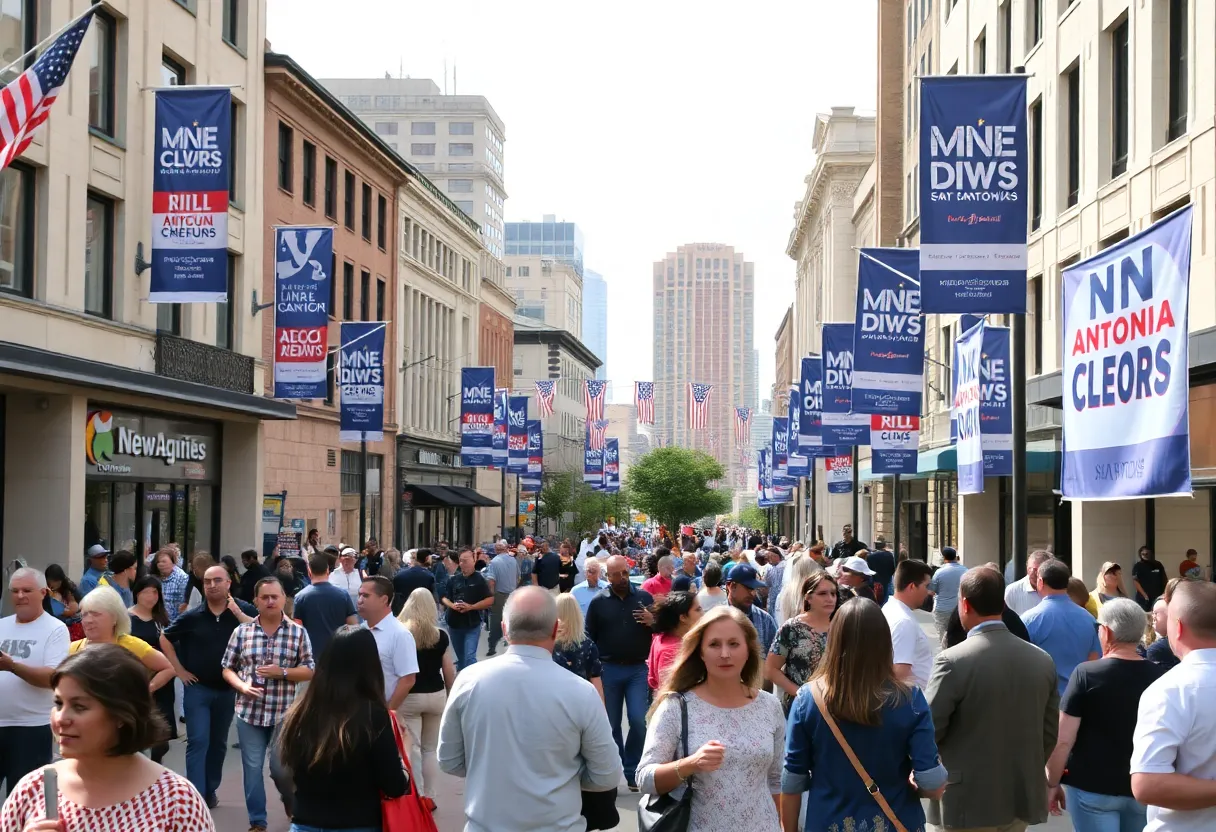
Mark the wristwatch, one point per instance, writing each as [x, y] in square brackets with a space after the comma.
[284, 672]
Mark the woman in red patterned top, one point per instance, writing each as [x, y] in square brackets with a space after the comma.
[103, 717]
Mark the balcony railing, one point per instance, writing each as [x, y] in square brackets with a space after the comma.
[187, 360]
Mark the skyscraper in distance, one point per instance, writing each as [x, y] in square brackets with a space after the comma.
[595, 319]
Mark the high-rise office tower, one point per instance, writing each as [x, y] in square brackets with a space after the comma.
[703, 333]
[595, 318]
[545, 273]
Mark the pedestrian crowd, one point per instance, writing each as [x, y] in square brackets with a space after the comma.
[732, 681]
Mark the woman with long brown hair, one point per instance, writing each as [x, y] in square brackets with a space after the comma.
[800, 643]
[736, 729]
[885, 724]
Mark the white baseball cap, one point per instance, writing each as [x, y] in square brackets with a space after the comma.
[858, 565]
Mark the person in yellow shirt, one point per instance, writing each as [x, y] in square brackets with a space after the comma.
[1108, 585]
[106, 621]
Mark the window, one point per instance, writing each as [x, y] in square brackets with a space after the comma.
[17, 230]
[309, 163]
[102, 88]
[99, 256]
[365, 295]
[169, 318]
[525, 271]
[286, 139]
[1119, 99]
[367, 212]
[465, 205]
[386, 128]
[18, 34]
[348, 200]
[981, 52]
[1035, 306]
[331, 188]
[1072, 84]
[223, 311]
[381, 221]
[1006, 25]
[380, 298]
[1178, 69]
[460, 128]
[1034, 23]
[460, 148]
[460, 186]
[352, 482]
[417, 149]
[422, 128]
[1036, 164]
[232, 22]
[348, 291]
[172, 74]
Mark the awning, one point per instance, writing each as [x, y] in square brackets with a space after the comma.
[470, 494]
[432, 496]
[1042, 457]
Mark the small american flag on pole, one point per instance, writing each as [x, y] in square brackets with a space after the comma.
[743, 424]
[595, 398]
[643, 400]
[595, 434]
[698, 405]
[26, 101]
[544, 396]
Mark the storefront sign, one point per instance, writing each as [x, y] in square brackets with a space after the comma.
[302, 260]
[889, 338]
[134, 446]
[361, 381]
[192, 144]
[476, 416]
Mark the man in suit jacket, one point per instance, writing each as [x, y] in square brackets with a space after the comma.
[995, 708]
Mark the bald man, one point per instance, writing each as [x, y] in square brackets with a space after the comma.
[615, 622]
[1173, 760]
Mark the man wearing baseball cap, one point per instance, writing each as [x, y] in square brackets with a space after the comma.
[854, 577]
[741, 593]
[99, 558]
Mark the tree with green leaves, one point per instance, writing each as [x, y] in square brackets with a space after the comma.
[752, 517]
[672, 485]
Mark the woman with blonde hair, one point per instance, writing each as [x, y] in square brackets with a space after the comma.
[423, 705]
[1108, 585]
[856, 696]
[573, 650]
[105, 620]
[789, 602]
[731, 756]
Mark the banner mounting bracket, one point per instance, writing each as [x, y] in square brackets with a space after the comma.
[255, 307]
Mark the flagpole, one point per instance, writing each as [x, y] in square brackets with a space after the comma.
[38, 46]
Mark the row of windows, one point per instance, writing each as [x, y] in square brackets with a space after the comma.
[308, 182]
[427, 128]
[454, 149]
[423, 246]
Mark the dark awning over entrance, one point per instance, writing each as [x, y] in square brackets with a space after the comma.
[470, 494]
[435, 496]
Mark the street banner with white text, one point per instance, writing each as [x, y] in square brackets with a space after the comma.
[889, 337]
[593, 462]
[1126, 376]
[476, 417]
[302, 261]
[498, 449]
[968, 395]
[974, 169]
[797, 465]
[996, 407]
[517, 435]
[840, 473]
[361, 381]
[842, 428]
[781, 452]
[894, 441]
[536, 448]
[810, 420]
[612, 465]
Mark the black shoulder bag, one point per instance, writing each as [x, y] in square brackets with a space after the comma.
[663, 813]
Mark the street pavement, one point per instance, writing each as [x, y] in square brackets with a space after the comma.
[449, 817]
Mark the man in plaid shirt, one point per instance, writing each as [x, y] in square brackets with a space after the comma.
[265, 660]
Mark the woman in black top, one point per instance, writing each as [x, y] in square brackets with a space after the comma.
[149, 618]
[337, 739]
[423, 706]
[567, 571]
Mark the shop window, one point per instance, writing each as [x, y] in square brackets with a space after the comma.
[351, 481]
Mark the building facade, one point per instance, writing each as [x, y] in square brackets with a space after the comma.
[595, 322]
[703, 333]
[495, 348]
[547, 291]
[549, 238]
[123, 422]
[623, 426]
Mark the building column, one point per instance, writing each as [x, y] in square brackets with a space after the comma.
[242, 484]
[44, 470]
[1106, 530]
[977, 526]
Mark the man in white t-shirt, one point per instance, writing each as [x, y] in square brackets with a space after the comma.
[32, 644]
[398, 652]
[911, 646]
[347, 576]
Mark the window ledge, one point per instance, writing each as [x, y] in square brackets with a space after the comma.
[1169, 149]
[77, 315]
[238, 50]
[108, 139]
[286, 192]
[1067, 12]
[1114, 184]
[1031, 52]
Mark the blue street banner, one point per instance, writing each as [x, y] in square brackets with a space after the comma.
[840, 473]
[797, 465]
[968, 349]
[476, 417]
[764, 479]
[593, 462]
[612, 465]
[498, 445]
[781, 452]
[996, 406]
[361, 381]
[1126, 377]
[517, 435]
[536, 448]
[889, 337]
[191, 156]
[894, 443]
[840, 426]
[302, 259]
[530, 485]
[965, 322]
[973, 176]
[810, 419]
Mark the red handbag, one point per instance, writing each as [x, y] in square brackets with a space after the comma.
[405, 813]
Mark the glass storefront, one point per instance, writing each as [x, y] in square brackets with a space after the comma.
[150, 480]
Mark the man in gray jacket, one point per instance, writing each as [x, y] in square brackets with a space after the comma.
[995, 708]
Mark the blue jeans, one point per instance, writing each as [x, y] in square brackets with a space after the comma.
[209, 715]
[625, 684]
[296, 827]
[256, 742]
[464, 642]
[1092, 812]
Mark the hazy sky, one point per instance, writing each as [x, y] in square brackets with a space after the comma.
[650, 124]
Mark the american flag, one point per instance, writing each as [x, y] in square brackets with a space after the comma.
[643, 400]
[544, 396]
[698, 405]
[596, 429]
[595, 398]
[743, 423]
[28, 98]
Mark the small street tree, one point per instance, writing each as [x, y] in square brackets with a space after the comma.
[672, 485]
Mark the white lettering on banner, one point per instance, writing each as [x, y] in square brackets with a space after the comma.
[892, 313]
[988, 142]
[477, 395]
[362, 367]
[191, 147]
[158, 447]
[838, 369]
